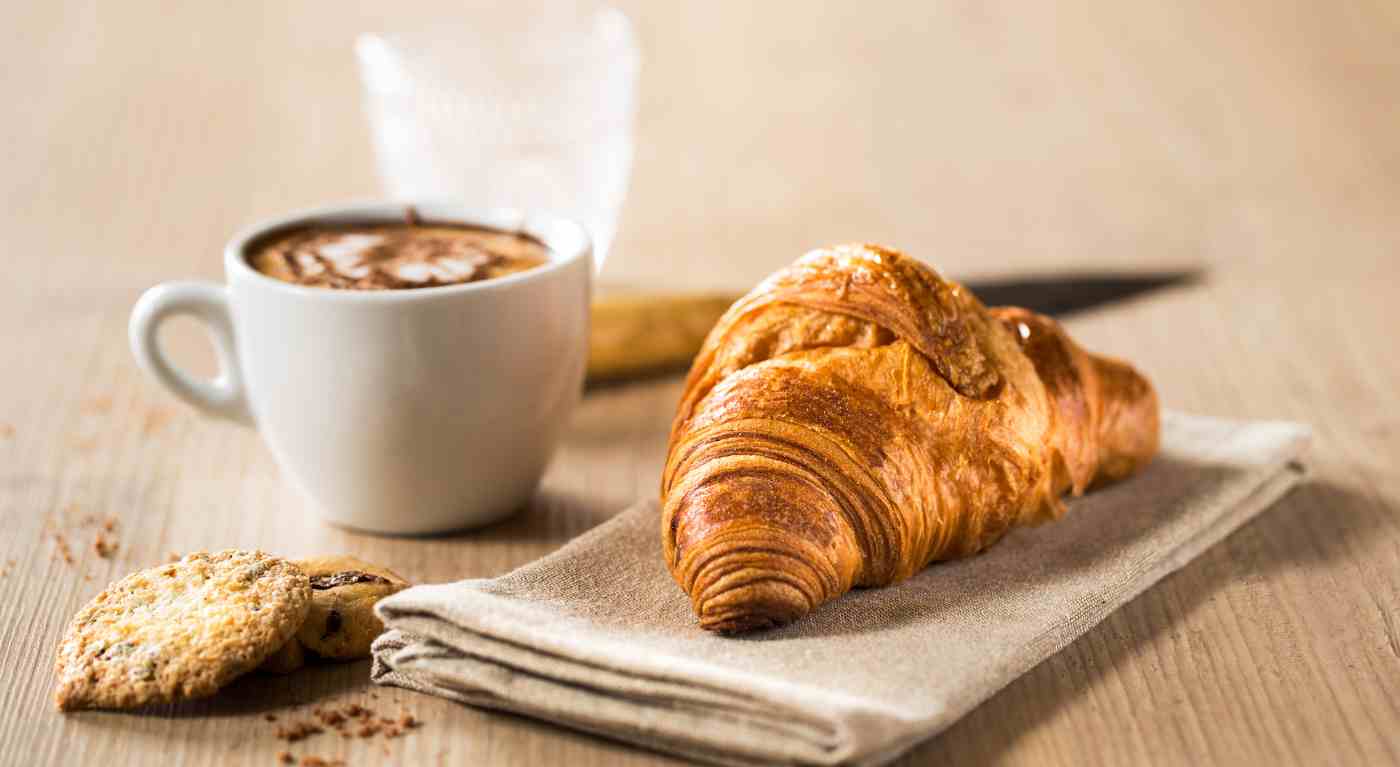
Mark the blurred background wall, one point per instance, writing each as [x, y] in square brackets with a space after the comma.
[986, 137]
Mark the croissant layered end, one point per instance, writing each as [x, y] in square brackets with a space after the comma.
[754, 542]
[753, 579]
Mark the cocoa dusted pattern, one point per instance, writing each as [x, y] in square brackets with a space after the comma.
[857, 417]
[397, 256]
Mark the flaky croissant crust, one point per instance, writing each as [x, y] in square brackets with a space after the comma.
[856, 417]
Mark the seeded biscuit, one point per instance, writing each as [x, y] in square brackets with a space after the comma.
[341, 623]
[179, 631]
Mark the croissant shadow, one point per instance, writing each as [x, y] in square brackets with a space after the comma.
[1028, 562]
[1319, 531]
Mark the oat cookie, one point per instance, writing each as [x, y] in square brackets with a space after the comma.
[179, 631]
[341, 623]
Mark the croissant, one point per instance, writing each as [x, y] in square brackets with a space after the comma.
[856, 417]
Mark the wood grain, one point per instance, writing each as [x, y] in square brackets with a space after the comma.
[1257, 139]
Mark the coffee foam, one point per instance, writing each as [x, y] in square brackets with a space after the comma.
[394, 256]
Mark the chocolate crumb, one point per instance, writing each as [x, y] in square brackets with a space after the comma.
[270, 717]
[286, 757]
[333, 623]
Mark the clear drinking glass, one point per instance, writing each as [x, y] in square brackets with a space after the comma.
[532, 109]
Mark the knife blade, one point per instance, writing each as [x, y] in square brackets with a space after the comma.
[1064, 294]
[641, 334]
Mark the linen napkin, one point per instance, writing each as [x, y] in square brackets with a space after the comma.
[598, 637]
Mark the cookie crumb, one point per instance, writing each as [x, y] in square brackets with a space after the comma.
[298, 731]
[6, 431]
[349, 721]
[174, 556]
[105, 548]
[156, 419]
[61, 549]
[317, 761]
[270, 717]
[330, 718]
[285, 757]
[98, 404]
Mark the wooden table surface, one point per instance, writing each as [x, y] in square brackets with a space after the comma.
[1259, 140]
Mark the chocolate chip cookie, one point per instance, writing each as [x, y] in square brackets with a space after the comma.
[341, 623]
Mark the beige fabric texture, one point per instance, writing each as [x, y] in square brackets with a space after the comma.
[599, 638]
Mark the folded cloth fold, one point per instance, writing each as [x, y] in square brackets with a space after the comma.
[596, 636]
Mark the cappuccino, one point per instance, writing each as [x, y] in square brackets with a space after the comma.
[393, 256]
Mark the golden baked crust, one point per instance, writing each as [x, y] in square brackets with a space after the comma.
[179, 631]
[857, 417]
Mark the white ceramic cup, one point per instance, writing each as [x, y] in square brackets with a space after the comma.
[396, 411]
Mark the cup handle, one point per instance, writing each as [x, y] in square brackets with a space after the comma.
[222, 396]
